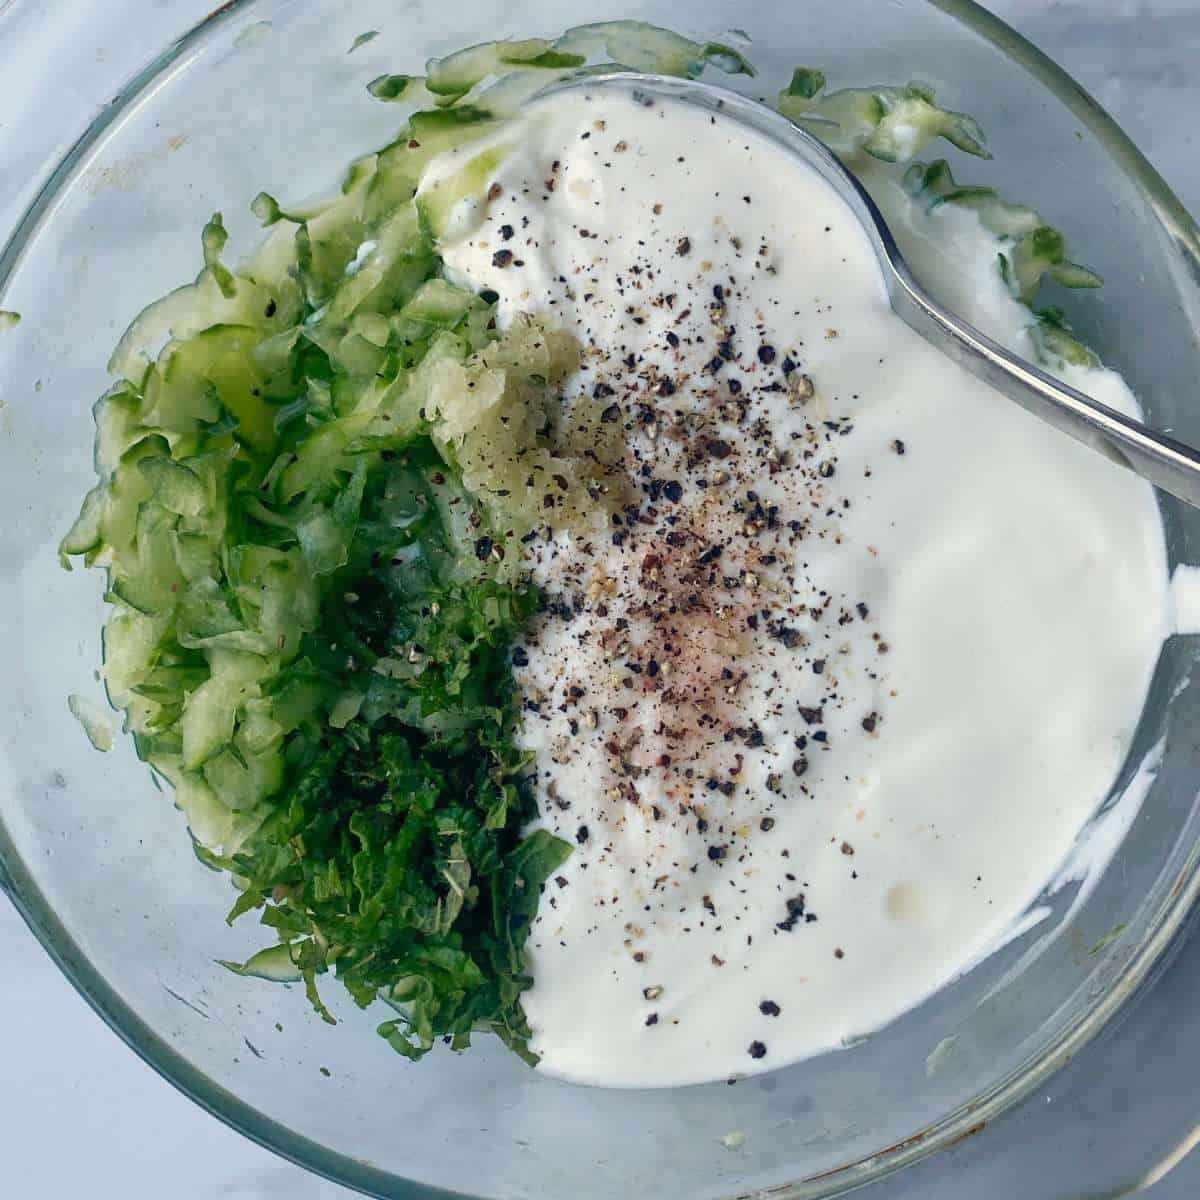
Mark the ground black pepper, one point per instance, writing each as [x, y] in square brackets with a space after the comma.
[698, 625]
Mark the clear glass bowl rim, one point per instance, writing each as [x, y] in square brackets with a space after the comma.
[1165, 929]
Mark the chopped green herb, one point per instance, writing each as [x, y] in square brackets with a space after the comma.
[363, 39]
[1107, 940]
[303, 639]
[389, 87]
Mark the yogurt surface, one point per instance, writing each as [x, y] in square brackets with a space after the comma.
[825, 706]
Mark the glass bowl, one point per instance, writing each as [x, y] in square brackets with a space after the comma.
[263, 94]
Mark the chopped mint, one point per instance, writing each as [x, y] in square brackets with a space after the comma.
[1107, 940]
[363, 39]
[390, 87]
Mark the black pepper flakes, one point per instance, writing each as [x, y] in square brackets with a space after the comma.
[766, 355]
[502, 258]
[790, 637]
[769, 1008]
[758, 1050]
[795, 914]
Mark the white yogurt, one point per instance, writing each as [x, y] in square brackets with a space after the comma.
[826, 716]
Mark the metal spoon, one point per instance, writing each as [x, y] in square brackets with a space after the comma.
[1164, 462]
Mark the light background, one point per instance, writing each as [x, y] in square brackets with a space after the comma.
[80, 1115]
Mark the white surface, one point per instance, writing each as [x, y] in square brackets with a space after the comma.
[81, 1115]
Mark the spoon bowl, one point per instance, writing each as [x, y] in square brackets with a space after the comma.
[1164, 462]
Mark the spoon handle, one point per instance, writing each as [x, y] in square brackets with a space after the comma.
[1168, 464]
